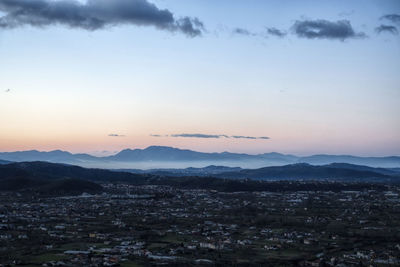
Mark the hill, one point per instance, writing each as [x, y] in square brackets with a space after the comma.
[46, 170]
[385, 162]
[56, 179]
[49, 187]
[303, 171]
[4, 161]
[300, 171]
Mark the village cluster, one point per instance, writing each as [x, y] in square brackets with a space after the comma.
[150, 225]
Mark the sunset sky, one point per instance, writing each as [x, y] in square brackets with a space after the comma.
[97, 77]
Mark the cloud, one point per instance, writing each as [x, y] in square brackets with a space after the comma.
[242, 31]
[7, 90]
[94, 15]
[324, 29]
[276, 32]
[196, 135]
[395, 18]
[159, 135]
[387, 28]
[243, 137]
[116, 135]
[210, 136]
[249, 137]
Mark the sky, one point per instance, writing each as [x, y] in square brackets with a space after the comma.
[292, 76]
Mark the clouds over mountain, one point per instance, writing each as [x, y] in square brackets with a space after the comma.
[324, 29]
[94, 15]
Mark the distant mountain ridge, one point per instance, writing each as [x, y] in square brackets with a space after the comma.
[170, 154]
[52, 156]
[163, 153]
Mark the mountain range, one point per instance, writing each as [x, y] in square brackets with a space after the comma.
[168, 156]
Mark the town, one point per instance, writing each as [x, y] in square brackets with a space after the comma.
[150, 225]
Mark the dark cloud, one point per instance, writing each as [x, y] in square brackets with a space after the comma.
[395, 18]
[116, 135]
[243, 31]
[243, 137]
[8, 90]
[276, 32]
[324, 29]
[387, 28]
[94, 15]
[190, 26]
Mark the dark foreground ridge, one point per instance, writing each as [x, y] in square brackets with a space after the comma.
[52, 178]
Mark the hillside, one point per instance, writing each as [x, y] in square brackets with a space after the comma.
[49, 187]
[304, 171]
[56, 179]
[300, 171]
[46, 170]
[4, 162]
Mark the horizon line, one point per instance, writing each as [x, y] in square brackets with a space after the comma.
[93, 153]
